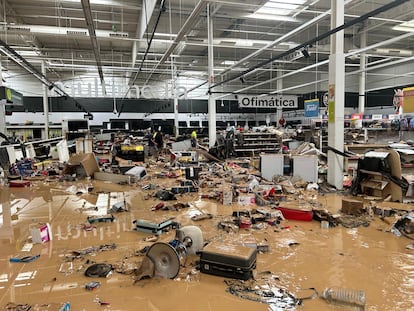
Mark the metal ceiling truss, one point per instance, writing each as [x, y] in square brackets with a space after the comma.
[95, 46]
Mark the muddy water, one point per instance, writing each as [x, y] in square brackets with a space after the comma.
[302, 254]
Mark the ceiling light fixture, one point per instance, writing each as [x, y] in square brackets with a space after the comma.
[273, 17]
[278, 10]
[406, 26]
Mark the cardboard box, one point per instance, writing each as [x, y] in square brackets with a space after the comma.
[115, 178]
[352, 207]
[83, 164]
[227, 196]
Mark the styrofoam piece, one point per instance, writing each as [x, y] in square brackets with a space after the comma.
[63, 151]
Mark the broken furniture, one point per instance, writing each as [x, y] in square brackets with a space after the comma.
[379, 175]
[250, 143]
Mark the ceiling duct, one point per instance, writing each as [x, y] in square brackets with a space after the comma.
[118, 35]
[394, 52]
[19, 29]
[76, 33]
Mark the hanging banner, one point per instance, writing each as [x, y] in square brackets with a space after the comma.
[312, 108]
[272, 101]
[331, 103]
[408, 99]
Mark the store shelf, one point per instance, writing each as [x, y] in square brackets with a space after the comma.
[257, 142]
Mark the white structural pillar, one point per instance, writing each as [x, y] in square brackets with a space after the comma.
[362, 76]
[336, 100]
[2, 107]
[175, 96]
[279, 86]
[45, 104]
[177, 130]
[212, 135]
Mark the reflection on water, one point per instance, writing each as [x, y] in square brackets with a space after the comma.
[302, 254]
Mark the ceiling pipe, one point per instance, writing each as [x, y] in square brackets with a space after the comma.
[201, 5]
[161, 10]
[354, 52]
[22, 62]
[316, 39]
[92, 35]
[140, 30]
[280, 39]
[396, 62]
[277, 41]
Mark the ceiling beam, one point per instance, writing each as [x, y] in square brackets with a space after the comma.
[95, 47]
[318, 38]
[191, 20]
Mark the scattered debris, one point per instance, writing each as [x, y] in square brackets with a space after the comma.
[25, 258]
[99, 270]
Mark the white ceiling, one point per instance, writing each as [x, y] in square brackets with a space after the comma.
[138, 42]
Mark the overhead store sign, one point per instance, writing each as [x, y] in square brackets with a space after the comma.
[312, 108]
[274, 101]
[10, 96]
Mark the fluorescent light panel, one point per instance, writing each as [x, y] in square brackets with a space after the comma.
[228, 62]
[272, 11]
[272, 17]
[406, 26]
[277, 10]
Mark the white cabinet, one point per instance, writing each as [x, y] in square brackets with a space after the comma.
[271, 165]
[306, 167]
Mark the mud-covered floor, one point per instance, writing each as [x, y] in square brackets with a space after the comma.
[302, 254]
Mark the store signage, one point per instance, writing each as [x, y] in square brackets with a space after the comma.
[161, 91]
[312, 108]
[10, 97]
[273, 101]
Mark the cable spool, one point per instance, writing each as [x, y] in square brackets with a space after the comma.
[192, 237]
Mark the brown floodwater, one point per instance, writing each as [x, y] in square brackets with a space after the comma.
[302, 254]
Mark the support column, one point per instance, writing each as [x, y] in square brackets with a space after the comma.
[45, 104]
[362, 75]
[279, 86]
[175, 95]
[177, 131]
[336, 100]
[2, 107]
[212, 135]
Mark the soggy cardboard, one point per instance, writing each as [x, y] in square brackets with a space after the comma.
[82, 164]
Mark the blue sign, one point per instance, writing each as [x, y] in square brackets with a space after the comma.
[312, 108]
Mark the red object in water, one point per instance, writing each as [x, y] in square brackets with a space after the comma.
[19, 183]
[296, 214]
[245, 223]
[158, 206]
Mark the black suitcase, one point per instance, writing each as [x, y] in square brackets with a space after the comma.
[228, 260]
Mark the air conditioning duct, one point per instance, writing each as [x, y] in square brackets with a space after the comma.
[76, 33]
[18, 29]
